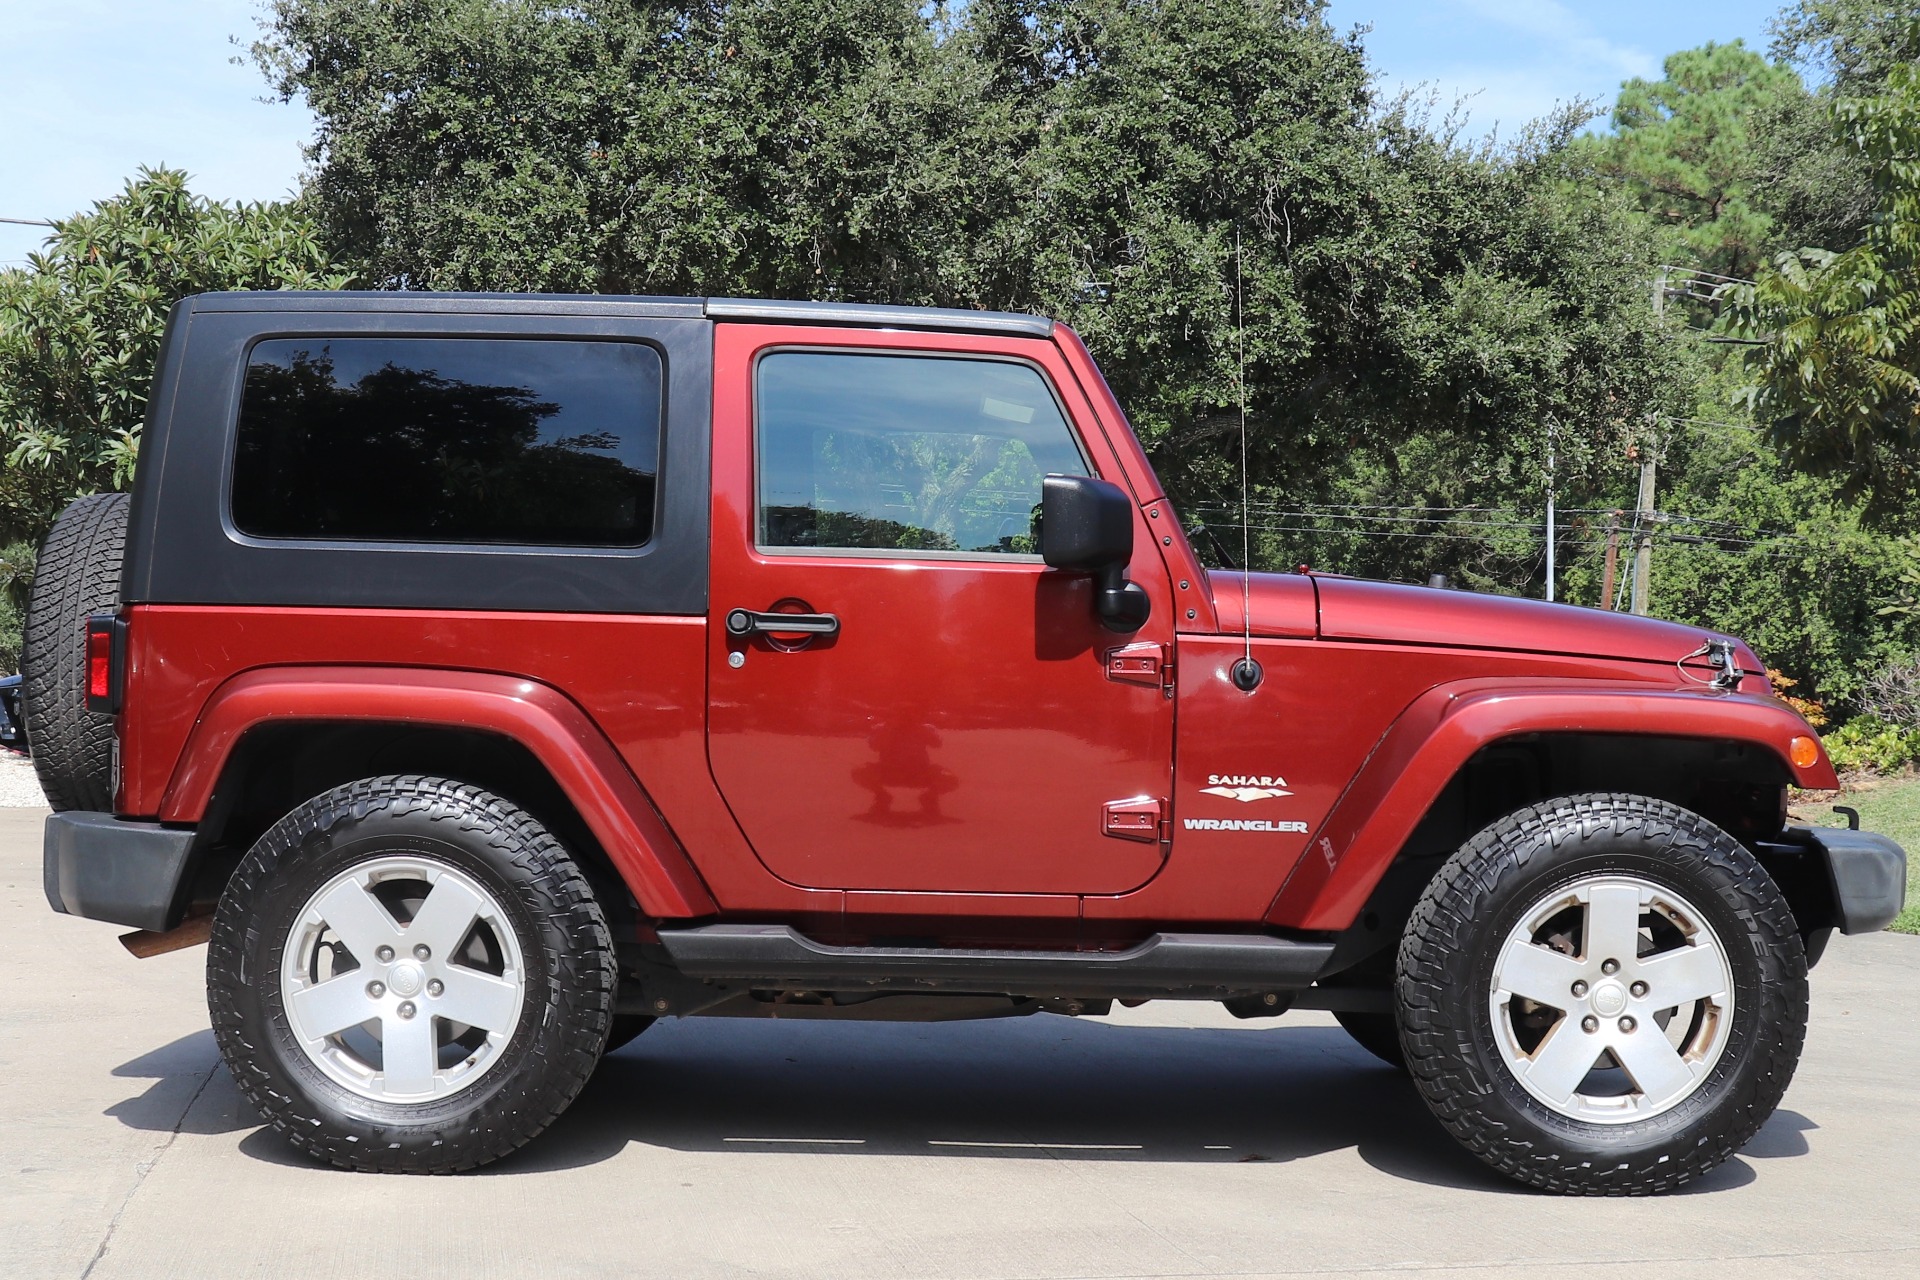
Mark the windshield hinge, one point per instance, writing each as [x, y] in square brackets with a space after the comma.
[1142, 818]
[1144, 663]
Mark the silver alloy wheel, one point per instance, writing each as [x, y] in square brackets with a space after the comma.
[402, 979]
[1612, 999]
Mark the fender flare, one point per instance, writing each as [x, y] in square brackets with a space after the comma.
[592, 774]
[1442, 729]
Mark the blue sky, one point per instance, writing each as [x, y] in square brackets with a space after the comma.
[1517, 58]
[91, 89]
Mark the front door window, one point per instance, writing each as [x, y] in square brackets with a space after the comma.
[905, 453]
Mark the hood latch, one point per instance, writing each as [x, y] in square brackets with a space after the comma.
[1720, 656]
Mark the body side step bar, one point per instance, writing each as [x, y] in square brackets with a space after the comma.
[1205, 965]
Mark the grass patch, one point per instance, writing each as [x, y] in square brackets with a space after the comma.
[1890, 806]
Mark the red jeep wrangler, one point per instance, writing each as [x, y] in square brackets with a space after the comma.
[489, 676]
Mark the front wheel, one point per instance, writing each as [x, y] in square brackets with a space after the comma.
[409, 975]
[1602, 995]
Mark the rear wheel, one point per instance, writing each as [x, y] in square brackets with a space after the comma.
[1602, 995]
[409, 975]
[77, 575]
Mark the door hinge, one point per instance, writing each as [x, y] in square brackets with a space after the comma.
[1144, 663]
[1142, 818]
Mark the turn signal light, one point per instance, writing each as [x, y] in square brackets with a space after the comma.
[1803, 751]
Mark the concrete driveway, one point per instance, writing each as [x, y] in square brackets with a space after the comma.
[1169, 1140]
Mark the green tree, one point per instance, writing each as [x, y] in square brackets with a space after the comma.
[1685, 146]
[1839, 375]
[775, 148]
[80, 325]
[1852, 43]
[1118, 163]
[1812, 185]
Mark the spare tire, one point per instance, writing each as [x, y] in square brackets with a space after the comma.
[77, 575]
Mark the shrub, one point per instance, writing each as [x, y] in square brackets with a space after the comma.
[1869, 744]
[1893, 693]
[1810, 709]
[16, 579]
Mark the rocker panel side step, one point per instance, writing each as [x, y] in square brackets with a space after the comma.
[1207, 965]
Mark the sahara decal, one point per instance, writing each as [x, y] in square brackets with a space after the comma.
[1245, 787]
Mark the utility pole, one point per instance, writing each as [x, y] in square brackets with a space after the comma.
[1613, 560]
[1550, 461]
[1643, 517]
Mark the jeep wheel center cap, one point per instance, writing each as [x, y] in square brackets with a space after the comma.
[406, 979]
[1609, 999]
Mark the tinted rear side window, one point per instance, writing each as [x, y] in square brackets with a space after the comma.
[464, 440]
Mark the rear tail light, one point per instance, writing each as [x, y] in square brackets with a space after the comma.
[106, 656]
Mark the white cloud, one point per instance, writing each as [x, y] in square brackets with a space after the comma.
[1559, 29]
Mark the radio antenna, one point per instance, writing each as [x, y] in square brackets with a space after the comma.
[1246, 672]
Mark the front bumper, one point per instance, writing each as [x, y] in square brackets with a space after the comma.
[107, 868]
[1853, 881]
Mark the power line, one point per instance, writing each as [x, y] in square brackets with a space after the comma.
[1314, 515]
[1710, 275]
[1370, 506]
[28, 222]
[1706, 422]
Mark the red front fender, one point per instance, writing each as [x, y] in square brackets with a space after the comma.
[1437, 735]
[585, 765]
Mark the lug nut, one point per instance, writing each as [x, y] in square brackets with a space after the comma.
[383, 954]
[1609, 966]
[422, 952]
[376, 989]
[406, 1009]
[436, 987]
[1627, 1024]
[1589, 1023]
[1579, 988]
[1639, 990]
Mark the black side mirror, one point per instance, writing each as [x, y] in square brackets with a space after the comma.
[1086, 525]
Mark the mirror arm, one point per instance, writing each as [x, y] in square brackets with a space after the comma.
[1122, 606]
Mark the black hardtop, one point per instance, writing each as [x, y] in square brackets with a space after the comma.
[764, 311]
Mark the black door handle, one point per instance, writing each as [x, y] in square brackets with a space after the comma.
[746, 622]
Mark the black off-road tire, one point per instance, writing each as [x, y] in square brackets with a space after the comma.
[562, 934]
[77, 575]
[1377, 1033]
[1449, 951]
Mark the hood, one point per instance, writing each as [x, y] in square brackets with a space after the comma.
[1352, 609]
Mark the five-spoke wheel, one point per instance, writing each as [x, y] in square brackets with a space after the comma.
[404, 981]
[1611, 999]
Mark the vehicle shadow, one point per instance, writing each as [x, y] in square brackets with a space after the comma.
[181, 1072]
[1042, 1087]
[1038, 1088]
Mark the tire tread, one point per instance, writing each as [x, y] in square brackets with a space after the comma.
[77, 574]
